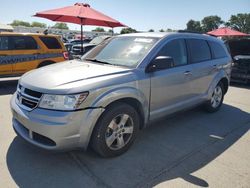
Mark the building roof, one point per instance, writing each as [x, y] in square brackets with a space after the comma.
[5, 27]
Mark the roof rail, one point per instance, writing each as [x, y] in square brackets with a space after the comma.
[188, 31]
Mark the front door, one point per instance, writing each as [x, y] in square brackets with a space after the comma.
[170, 88]
[24, 53]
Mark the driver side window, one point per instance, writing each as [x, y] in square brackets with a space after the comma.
[177, 50]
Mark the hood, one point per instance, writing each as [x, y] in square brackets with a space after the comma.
[242, 57]
[56, 76]
[84, 45]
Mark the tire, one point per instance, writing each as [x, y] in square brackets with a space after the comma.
[214, 104]
[116, 130]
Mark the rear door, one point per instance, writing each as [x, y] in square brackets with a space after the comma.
[52, 49]
[204, 68]
[6, 65]
[170, 88]
[24, 53]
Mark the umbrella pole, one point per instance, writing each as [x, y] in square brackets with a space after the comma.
[81, 38]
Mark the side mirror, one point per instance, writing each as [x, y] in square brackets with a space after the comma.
[160, 63]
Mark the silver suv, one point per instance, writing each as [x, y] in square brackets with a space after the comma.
[117, 88]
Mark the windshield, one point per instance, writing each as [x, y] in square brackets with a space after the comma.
[122, 51]
[98, 40]
[239, 47]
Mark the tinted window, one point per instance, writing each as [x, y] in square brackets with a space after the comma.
[51, 42]
[199, 50]
[239, 47]
[217, 50]
[4, 43]
[22, 43]
[177, 50]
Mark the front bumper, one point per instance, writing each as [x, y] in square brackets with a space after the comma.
[54, 130]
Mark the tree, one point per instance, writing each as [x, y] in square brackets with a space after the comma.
[60, 26]
[128, 30]
[98, 29]
[169, 30]
[20, 23]
[240, 22]
[110, 30]
[38, 24]
[161, 30]
[193, 25]
[210, 23]
[151, 30]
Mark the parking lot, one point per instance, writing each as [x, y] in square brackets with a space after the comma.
[190, 149]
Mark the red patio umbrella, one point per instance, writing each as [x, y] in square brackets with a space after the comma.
[224, 31]
[82, 14]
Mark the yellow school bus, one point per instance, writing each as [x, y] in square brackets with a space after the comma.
[21, 52]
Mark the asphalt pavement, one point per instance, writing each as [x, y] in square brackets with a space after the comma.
[190, 149]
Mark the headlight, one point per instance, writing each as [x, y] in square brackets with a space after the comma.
[62, 102]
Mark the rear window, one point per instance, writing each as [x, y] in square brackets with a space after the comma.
[22, 43]
[199, 50]
[51, 42]
[217, 50]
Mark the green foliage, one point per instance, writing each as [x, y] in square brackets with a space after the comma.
[38, 24]
[240, 22]
[128, 30]
[99, 29]
[210, 23]
[161, 30]
[151, 30]
[20, 23]
[193, 25]
[60, 26]
[169, 30]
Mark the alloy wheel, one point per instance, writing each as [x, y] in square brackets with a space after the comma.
[216, 97]
[119, 131]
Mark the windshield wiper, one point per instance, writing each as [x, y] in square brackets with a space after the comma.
[98, 61]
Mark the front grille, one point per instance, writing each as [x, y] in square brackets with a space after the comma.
[76, 49]
[33, 93]
[28, 103]
[27, 99]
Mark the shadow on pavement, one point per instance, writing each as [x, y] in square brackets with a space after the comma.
[8, 87]
[169, 149]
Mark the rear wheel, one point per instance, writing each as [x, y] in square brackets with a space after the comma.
[216, 100]
[116, 130]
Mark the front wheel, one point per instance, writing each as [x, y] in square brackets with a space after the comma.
[216, 100]
[116, 130]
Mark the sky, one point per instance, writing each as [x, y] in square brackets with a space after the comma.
[139, 14]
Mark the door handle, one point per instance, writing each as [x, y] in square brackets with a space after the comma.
[187, 73]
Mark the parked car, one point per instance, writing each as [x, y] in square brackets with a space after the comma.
[76, 49]
[68, 46]
[240, 52]
[20, 53]
[78, 41]
[118, 88]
